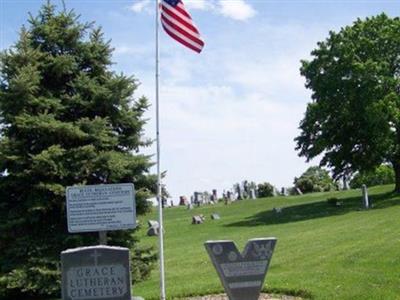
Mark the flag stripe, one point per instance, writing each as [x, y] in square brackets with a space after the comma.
[182, 13]
[188, 33]
[178, 24]
[181, 38]
[172, 11]
[182, 10]
[171, 15]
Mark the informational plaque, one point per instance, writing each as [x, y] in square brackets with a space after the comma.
[101, 207]
[242, 274]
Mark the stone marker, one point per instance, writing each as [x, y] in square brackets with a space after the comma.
[96, 272]
[215, 217]
[298, 191]
[153, 231]
[365, 196]
[183, 200]
[153, 223]
[197, 220]
[241, 274]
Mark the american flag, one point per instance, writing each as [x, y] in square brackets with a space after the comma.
[177, 22]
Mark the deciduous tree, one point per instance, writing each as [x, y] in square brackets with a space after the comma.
[354, 117]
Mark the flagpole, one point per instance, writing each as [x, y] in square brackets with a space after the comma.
[159, 196]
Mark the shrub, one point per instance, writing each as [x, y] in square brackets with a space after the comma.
[265, 190]
[315, 179]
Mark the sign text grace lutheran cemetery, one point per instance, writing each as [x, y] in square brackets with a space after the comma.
[101, 207]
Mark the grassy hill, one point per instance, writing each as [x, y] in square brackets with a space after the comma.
[323, 251]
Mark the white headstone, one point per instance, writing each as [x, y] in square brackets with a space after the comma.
[365, 196]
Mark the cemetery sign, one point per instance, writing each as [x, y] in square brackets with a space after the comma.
[101, 207]
[242, 274]
[96, 272]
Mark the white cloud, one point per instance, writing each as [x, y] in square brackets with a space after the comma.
[239, 121]
[199, 4]
[140, 5]
[236, 9]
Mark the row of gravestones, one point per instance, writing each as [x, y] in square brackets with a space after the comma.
[240, 191]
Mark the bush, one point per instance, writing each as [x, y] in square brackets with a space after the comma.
[265, 190]
[384, 174]
[315, 179]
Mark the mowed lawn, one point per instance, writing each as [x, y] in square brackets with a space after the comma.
[323, 252]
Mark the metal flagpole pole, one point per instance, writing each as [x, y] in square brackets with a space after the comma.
[159, 196]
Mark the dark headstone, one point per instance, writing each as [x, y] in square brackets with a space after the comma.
[183, 201]
[242, 274]
[153, 231]
[96, 272]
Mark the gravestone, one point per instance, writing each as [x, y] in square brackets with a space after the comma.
[253, 194]
[215, 217]
[215, 195]
[183, 201]
[153, 223]
[96, 272]
[229, 195]
[197, 220]
[365, 196]
[241, 274]
[153, 231]
[278, 210]
[298, 191]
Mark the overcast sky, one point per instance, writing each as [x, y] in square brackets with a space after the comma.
[230, 113]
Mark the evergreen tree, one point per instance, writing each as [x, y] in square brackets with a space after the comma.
[65, 119]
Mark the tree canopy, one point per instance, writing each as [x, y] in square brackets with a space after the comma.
[354, 118]
[383, 174]
[65, 118]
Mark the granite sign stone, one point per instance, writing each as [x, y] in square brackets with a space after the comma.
[96, 272]
[242, 274]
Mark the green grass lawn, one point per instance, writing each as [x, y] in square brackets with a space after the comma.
[323, 252]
